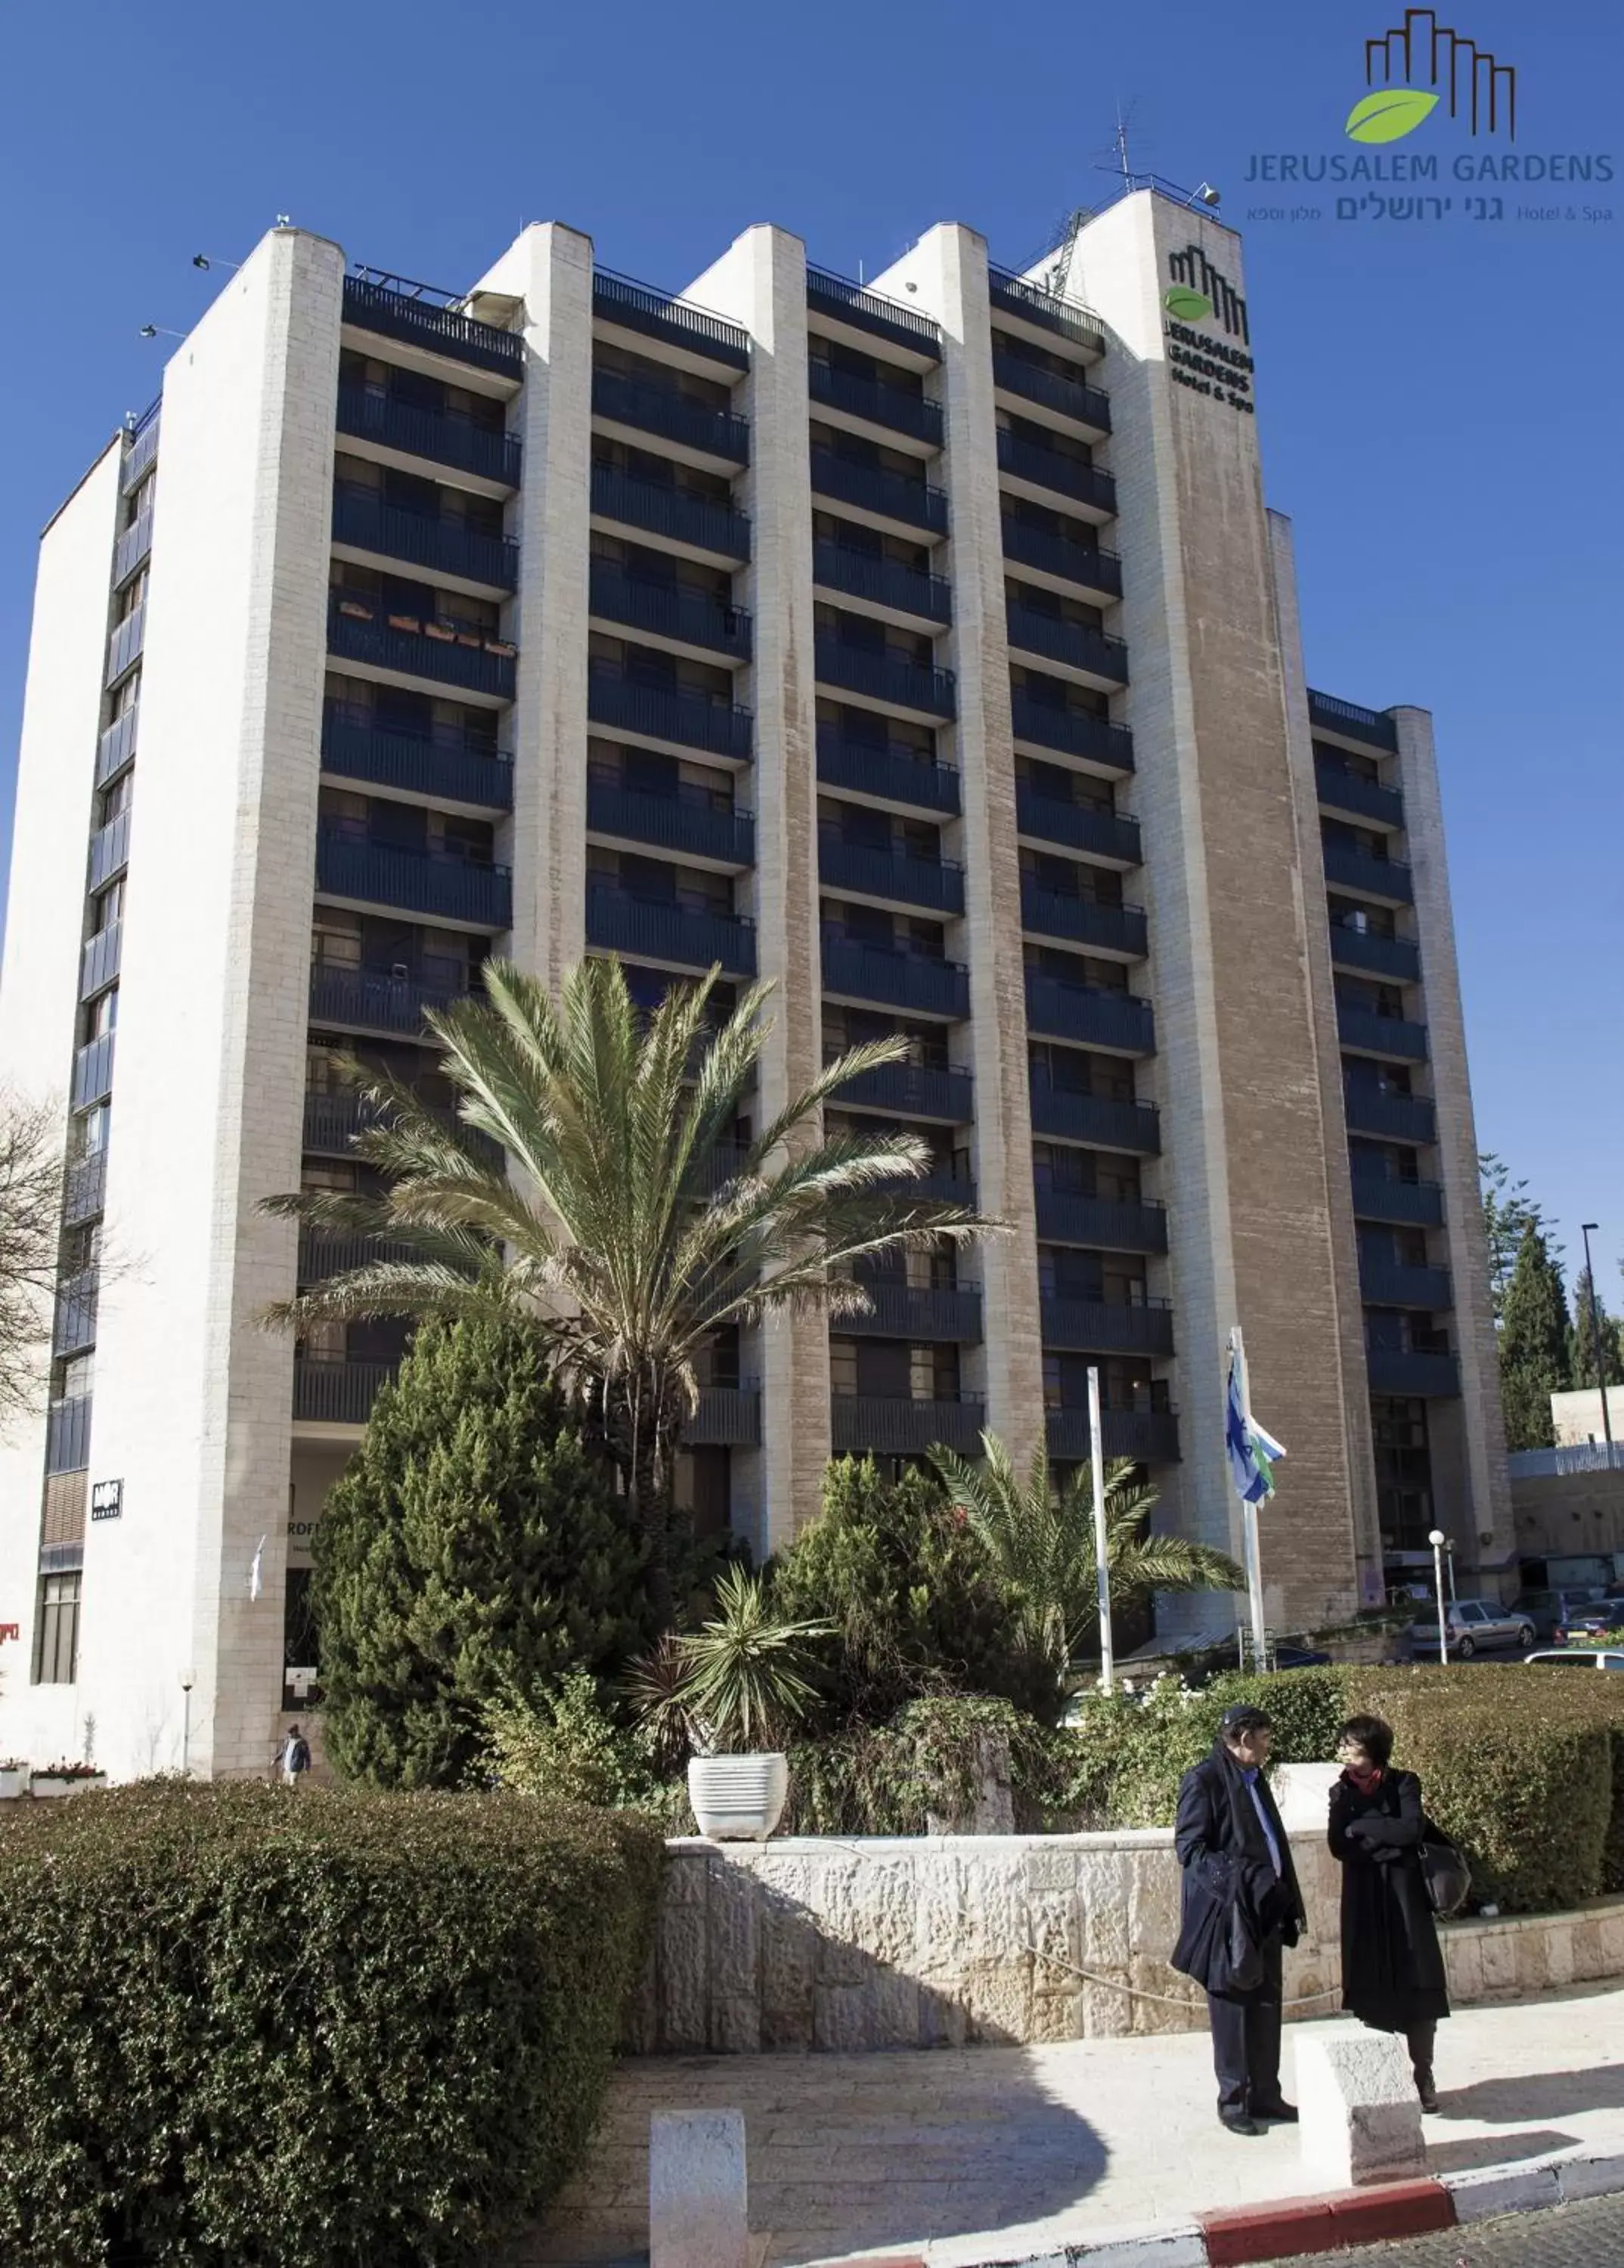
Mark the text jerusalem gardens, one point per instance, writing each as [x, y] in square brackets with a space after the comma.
[1556, 166]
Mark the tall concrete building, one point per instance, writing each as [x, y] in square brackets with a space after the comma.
[925, 647]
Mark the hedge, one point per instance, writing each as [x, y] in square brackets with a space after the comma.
[245, 2028]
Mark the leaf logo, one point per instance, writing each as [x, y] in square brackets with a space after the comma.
[1389, 115]
[1189, 307]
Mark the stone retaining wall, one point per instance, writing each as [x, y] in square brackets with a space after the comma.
[945, 1940]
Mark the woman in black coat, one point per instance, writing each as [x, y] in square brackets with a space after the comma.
[1392, 1969]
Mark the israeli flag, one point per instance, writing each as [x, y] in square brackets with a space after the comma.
[1252, 1452]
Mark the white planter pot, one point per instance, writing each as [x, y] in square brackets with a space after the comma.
[47, 1784]
[13, 1783]
[738, 1798]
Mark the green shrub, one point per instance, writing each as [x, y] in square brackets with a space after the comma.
[891, 1778]
[569, 1749]
[245, 2028]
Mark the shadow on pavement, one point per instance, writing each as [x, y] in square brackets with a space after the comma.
[1538, 2094]
[1499, 2149]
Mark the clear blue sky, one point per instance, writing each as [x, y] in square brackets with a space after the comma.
[1437, 400]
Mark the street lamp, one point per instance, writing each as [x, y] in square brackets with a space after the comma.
[1437, 1539]
[1586, 1227]
[189, 1678]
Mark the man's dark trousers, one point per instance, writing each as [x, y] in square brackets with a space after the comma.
[1246, 2039]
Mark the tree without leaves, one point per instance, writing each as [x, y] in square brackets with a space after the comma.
[30, 1186]
[1533, 1343]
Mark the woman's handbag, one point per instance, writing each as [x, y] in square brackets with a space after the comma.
[1444, 1871]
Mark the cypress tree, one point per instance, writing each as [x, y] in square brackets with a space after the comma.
[1533, 1343]
[1581, 1362]
[472, 1550]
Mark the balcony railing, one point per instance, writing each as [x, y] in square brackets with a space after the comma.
[124, 646]
[73, 1322]
[1348, 717]
[895, 773]
[883, 582]
[358, 629]
[1105, 1122]
[673, 415]
[364, 521]
[1078, 826]
[117, 746]
[100, 960]
[1361, 1028]
[676, 513]
[1349, 868]
[93, 1071]
[1388, 1283]
[890, 406]
[891, 1426]
[727, 1418]
[142, 446]
[1102, 1224]
[1085, 564]
[323, 1253]
[67, 1435]
[1381, 1197]
[332, 1123]
[132, 548]
[909, 1090]
[1089, 1016]
[400, 310]
[377, 874]
[911, 980]
[1148, 1436]
[440, 436]
[1107, 1326]
[338, 1393]
[1071, 732]
[1068, 397]
[661, 712]
[888, 495]
[1425, 1377]
[1346, 791]
[109, 849]
[1049, 469]
[1396, 957]
[876, 874]
[884, 677]
[1013, 295]
[1076, 644]
[655, 930]
[375, 999]
[690, 826]
[668, 610]
[448, 769]
[907, 1311]
[870, 310]
[634, 307]
[1399, 1117]
[1081, 921]
[85, 1187]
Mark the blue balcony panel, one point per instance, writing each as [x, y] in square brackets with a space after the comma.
[116, 748]
[908, 1090]
[338, 1393]
[409, 645]
[1422, 1377]
[1012, 296]
[887, 677]
[674, 513]
[1099, 1223]
[668, 610]
[85, 1187]
[448, 770]
[99, 963]
[882, 583]
[447, 889]
[1349, 868]
[1369, 1033]
[326, 1253]
[632, 306]
[1398, 958]
[1390, 1284]
[375, 1000]
[687, 824]
[1382, 1196]
[1080, 921]
[1150, 1437]
[1050, 469]
[1089, 1016]
[362, 521]
[1341, 790]
[1112, 834]
[893, 407]
[910, 981]
[1106, 1326]
[1100, 1122]
[891, 1426]
[875, 873]
[727, 1418]
[1395, 1117]
[109, 849]
[93, 1071]
[132, 548]
[142, 446]
[73, 1321]
[886, 494]
[420, 317]
[1071, 733]
[900, 1310]
[1085, 566]
[125, 644]
[646, 407]
[1376, 729]
[1066, 397]
[440, 436]
[1075, 646]
[67, 1435]
[842, 301]
[666, 713]
[653, 930]
[889, 775]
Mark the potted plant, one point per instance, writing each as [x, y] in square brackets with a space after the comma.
[66, 1778]
[13, 1777]
[443, 631]
[504, 649]
[742, 1690]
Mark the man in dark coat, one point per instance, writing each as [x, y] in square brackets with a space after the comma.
[1240, 1893]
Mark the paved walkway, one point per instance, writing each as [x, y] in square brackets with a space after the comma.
[1002, 2153]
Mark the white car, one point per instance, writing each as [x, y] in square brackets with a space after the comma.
[1473, 1623]
[1579, 1656]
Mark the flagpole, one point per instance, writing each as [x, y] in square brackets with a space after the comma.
[1102, 1553]
[1249, 1516]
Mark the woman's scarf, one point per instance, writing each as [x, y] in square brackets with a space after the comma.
[1366, 1782]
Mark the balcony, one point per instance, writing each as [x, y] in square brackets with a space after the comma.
[1340, 789]
[1369, 1033]
[674, 513]
[85, 1187]
[93, 1071]
[1075, 645]
[1105, 1122]
[1398, 1117]
[1071, 732]
[375, 1000]
[663, 713]
[116, 748]
[674, 416]
[357, 630]
[894, 407]
[420, 317]
[1398, 958]
[1088, 1016]
[668, 611]
[337, 1393]
[1425, 1377]
[891, 1426]
[1387, 1283]
[1076, 826]
[73, 1322]
[143, 438]
[1351, 868]
[727, 1418]
[910, 981]
[131, 549]
[870, 873]
[1102, 1224]
[887, 496]
[1014, 296]
[1081, 921]
[1107, 1325]
[1030, 461]
[109, 850]
[882, 583]
[894, 774]
[633, 307]
[124, 646]
[332, 1123]
[67, 1435]
[448, 770]
[1382, 1197]
[1084, 564]
[900, 1310]
[440, 436]
[100, 960]
[848, 303]
[689, 826]
[1066, 397]
[325, 1252]
[886, 677]
[650, 929]
[1150, 1437]
[909, 1090]
[410, 882]
[363, 522]
[1352, 722]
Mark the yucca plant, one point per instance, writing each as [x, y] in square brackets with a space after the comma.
[742, 1684]
[628, 1225]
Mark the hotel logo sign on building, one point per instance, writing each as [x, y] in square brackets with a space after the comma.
[1197, 292]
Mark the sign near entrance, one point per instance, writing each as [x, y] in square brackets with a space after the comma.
[107, 1500]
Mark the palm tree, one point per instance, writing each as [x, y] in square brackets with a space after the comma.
[628, 1225]
[1040, 1537]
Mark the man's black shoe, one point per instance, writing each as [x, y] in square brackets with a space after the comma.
[1238, 2122]
[1277, 2114]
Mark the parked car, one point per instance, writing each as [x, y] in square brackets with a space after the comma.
[1588, 1625]
[1473, 1624]
[1579, 1657]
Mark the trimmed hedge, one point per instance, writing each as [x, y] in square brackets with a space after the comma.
[245, 2028]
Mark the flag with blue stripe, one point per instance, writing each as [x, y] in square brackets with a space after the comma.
[1252, 1452]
